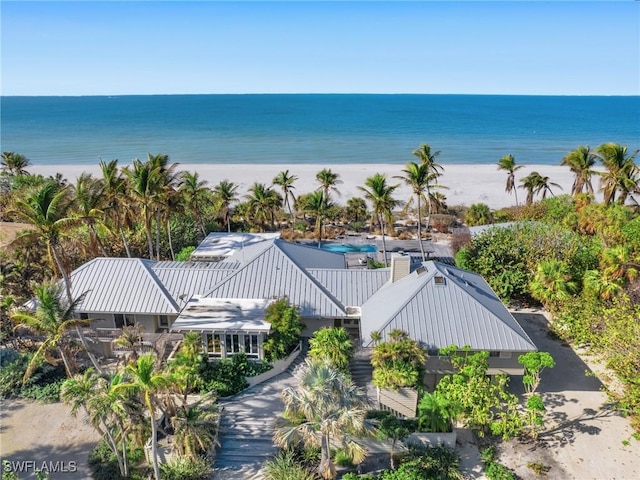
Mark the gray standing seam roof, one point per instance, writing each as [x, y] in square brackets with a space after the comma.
[462, 311]
[275, 273]
[121, 285]
[351, 287]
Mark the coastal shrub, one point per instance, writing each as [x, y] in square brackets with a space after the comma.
[284, 467]
[226, 377]
[426, 462]
[182, 468]
[185, 253]
[334, 345]
[43, 385]
[493, 469]
[285, 329]
[478, 214]
[342, 458]
[104, 465]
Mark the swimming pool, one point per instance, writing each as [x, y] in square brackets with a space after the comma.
[348, 248]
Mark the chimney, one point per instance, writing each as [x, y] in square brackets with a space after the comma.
[400, 266]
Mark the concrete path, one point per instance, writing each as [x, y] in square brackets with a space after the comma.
[246, 429]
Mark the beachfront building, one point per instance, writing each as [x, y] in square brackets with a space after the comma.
[436, 304]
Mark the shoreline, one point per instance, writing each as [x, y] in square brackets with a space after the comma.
[466, 184]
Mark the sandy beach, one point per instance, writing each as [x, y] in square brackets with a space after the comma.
[466, 184]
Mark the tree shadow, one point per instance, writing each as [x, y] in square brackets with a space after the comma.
[70, 461]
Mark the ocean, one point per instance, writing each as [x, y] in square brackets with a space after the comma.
[313, 128]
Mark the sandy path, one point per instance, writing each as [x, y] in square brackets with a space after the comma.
[37, 432]
[583, 439]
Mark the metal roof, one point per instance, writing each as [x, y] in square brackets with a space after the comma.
[121, 285]
[307, 256]
[183, 283]
[276, 273]
[442, 305]
[351, 287]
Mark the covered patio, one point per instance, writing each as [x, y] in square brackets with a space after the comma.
[227, 326]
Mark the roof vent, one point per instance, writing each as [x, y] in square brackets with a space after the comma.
[439, 280]
[421, 269]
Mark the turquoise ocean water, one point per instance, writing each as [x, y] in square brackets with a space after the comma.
[322, 129]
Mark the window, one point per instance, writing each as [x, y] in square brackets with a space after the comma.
[129, 320]
[119, 320]
[213, 344]
[163, 321]
[84, 316]
[232, 344]
[439, 280]
[505, 354]
[251, 345]
[494, 354]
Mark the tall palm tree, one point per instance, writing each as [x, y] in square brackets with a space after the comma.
[316, 205]
[328, 181]
[195, 192]
[164, 190]
[47, 208]
[226, 194]
[332, 408]
[14, 163]
[263, 202]
[416, 175]
[144, 183]
[105, 410]
[380, 194]
[116, 199]
[508, 163]
[622, 177]
[52, 319]
[88, 199]
[434, 171]
[285, 182]
[146, 381]
[356, 209]
[580, 161]
[534, 183]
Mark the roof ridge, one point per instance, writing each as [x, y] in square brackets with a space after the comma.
[318, 285]
[524, 337]
[149, 270]
[414, 292]
[237, 271]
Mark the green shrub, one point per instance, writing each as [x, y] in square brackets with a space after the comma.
[7, 356]
[43, 385]
[355, 476]
[226, 377]
[497, 471]
[284, 467]
[185, 469]
[104, 466]
[185, 253]
[342, 459]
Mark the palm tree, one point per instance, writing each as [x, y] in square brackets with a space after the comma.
[225, 193]
[332, 408]
[622, 175]
[534, 183]
[88, 200]
[380, 194]
[148, 383]
[52, 319]
[356, 209]
[416, 175]
[163, 192]
[285, 182]
[263, 203]
[552, 282]
[47, 208]
[105, 410]
[14, 163]
[144, 181]
[580, 161]
[316, 204]
[195, 429]
[328, 181]
[116, 196]
[434, 170]
[508, 163]
[194, 192]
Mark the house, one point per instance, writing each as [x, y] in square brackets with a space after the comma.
[436, 304]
